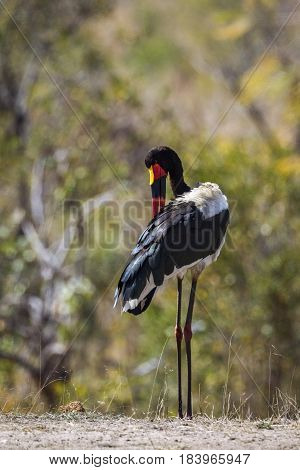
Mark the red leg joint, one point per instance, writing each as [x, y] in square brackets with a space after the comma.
[188, 332]
[178, 333]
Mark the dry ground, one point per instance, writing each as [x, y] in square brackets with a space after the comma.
[91, 431]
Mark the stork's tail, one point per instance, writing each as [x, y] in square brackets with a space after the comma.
[136, 307]
[143, 305]
[136, 287]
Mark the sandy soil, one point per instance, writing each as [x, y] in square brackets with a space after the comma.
[91, 431]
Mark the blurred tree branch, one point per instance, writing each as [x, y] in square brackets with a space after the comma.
[21, 361]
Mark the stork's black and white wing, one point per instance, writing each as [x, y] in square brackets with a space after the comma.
[189, 231]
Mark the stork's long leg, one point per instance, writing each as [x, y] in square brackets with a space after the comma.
[187, 338]
[178, 334]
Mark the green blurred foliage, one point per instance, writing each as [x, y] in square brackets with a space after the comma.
[111, 80]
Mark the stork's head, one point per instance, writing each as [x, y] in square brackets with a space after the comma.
[160, 162]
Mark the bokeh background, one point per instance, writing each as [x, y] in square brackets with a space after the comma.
[86, 88]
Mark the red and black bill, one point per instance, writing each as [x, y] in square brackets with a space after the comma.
[158, 178]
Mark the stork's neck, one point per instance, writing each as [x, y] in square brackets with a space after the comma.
[178, 184]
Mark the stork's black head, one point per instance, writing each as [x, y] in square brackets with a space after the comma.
[166, 158]
[160, 162]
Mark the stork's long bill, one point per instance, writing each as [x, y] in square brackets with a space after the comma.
[158, 178]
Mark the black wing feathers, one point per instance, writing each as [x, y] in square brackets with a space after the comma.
[178, 236]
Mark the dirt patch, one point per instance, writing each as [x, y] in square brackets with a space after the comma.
[91, 431]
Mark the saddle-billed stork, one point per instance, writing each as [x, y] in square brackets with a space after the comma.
[187, 233]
